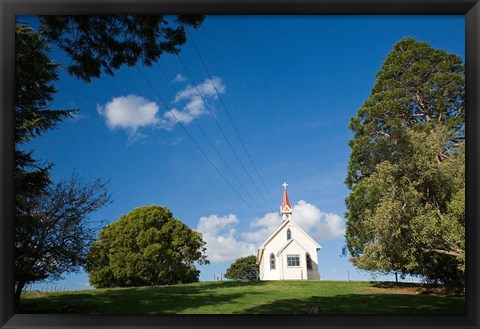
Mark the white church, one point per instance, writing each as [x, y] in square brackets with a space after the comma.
[289, 253]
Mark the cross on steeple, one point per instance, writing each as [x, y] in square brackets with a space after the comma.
[284, 185]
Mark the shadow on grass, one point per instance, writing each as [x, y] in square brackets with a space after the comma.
[419, 288]
[231, 284]
[364, 304]
[141, 300]
[243, 297]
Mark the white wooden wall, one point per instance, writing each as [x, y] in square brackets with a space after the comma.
[282, 271]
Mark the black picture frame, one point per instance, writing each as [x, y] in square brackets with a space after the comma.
[11, 8]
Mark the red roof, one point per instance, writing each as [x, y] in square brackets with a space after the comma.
[285, 201]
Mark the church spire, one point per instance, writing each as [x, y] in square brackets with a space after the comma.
[286, 208]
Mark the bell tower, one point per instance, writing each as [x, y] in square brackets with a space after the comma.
[286, 208]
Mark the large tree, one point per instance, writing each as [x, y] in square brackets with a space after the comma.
[244, 268]
[106, 42]
[405, 211]
[93, 43]
[145, 247]
[53, 234]
[35, 75]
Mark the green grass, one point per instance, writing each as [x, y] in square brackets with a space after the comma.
[250, 297]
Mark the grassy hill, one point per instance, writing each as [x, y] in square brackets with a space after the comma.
[247, 297]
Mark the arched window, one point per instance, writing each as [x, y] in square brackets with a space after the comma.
[272, 261]
[289, 234]
[309, 262]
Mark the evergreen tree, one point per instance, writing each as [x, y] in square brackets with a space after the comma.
[35, 75]
[405, 212]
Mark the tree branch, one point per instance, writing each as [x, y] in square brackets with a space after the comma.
[443, 252]
[383, 134]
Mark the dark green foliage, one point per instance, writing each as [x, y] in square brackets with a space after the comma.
[34, 78]
[34, 90]
[418, 87]
[405, 212]
[35, 75]
[105, 43]
[143, 248]
[244, 268]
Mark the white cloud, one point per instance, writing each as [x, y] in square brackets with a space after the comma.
[306, 215]
[319, 225]
[132, 112]
[170, 118]
[193, 102]
[331, 226]
[265, 225]
[207, 88]
[179, 78]
[129, 112]
[220, 236]
[213, 224]
[224, 243]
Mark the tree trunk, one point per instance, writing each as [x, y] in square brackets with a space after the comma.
[18, 292]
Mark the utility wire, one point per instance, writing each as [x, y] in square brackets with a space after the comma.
[208, 139]
[228, 114]
[193, 140]
[220, 128]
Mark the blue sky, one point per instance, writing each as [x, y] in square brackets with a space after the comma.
[290, 84]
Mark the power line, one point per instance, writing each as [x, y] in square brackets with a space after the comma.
[228, 114]
[193, 140]
[208, 139]
[220, 128]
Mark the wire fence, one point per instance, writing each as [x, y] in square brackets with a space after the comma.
[44, 288]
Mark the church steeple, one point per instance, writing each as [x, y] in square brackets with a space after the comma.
[286, 208]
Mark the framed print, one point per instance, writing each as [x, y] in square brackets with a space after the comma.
[239, 164]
